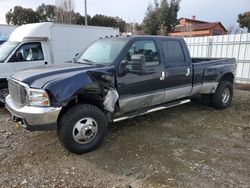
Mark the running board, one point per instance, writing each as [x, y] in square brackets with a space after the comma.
[162, 107]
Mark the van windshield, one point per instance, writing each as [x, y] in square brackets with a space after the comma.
[6, 48]
[102, 52]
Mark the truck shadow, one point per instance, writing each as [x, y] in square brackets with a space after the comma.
[150, 144]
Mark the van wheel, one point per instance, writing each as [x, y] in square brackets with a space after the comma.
[223, 95]
[82, 128]
[3, 93]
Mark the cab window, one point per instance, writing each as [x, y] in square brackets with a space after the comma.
[173, 51]
[146, 48]
[28, 52]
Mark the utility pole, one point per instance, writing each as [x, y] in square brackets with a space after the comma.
[86, 13]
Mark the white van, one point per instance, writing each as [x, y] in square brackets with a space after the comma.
[42, 44]
[5, 31]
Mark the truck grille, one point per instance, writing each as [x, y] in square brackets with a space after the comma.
[17, 92]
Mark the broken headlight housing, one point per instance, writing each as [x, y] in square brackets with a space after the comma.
[38, 97]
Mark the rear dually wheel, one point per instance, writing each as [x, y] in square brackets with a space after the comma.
[223, 95]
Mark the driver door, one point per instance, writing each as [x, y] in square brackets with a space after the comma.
[137, 88]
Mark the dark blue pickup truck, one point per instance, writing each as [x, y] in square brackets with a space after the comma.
[112, 80]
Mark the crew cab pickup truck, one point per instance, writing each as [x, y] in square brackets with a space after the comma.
[115, 79]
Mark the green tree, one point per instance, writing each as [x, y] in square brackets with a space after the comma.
[161, 19]
[121, 24]
[20, 16]
[79, 19]
[168, 15]
[106, 21]
[62, 13]
[102, 20]
[244, 20]
[46, 13]
[151, 21]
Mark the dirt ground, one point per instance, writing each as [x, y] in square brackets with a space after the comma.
[186, 146]
[242, 86]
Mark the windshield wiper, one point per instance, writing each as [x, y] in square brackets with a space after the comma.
[88, 62]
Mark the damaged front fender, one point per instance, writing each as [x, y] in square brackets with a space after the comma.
[101, 82]
[107, 80]
[111, 99]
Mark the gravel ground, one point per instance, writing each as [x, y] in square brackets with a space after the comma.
[186, 146]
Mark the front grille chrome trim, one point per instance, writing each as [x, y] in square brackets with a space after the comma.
[20, 83]
[17, 98]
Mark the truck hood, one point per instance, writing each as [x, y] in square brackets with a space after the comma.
[40, 76]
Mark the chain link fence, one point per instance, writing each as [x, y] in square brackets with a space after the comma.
[224, 46]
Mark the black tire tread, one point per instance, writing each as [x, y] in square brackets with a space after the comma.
[216, 98]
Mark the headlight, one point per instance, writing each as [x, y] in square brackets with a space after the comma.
[38, 97]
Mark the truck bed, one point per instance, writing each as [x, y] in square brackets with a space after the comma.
[203, 60]
[211, 69]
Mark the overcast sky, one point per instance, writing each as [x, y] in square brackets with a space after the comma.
[225, 11]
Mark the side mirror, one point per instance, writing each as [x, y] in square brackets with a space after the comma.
[122, 68]
[138, 63]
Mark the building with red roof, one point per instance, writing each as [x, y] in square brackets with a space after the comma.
[192, 27]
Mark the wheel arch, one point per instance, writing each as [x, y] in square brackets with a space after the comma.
[228, 77]
[83, 98]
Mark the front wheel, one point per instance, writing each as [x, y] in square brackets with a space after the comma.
[82, 128]
[223, 95]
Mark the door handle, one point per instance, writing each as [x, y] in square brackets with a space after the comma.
[162, 75]
[188, 72]
[45, 63]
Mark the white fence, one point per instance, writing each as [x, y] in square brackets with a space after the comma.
[237, 46]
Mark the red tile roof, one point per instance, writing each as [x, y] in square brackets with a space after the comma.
[197, 27]
[192, 20]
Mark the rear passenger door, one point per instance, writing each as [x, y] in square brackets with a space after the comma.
[178, 70]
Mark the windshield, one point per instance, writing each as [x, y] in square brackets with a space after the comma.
[6, 48]
[102, 52]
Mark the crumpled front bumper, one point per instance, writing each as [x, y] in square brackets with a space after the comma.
[33, 118]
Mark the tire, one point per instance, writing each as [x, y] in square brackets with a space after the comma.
[81, 129]
[223, 95]
[3, 93]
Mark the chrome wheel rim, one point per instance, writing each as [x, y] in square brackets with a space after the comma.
[85, 130]
[226, 95]
[3, 94]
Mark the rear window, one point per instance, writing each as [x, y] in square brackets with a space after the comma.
[173, 52]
